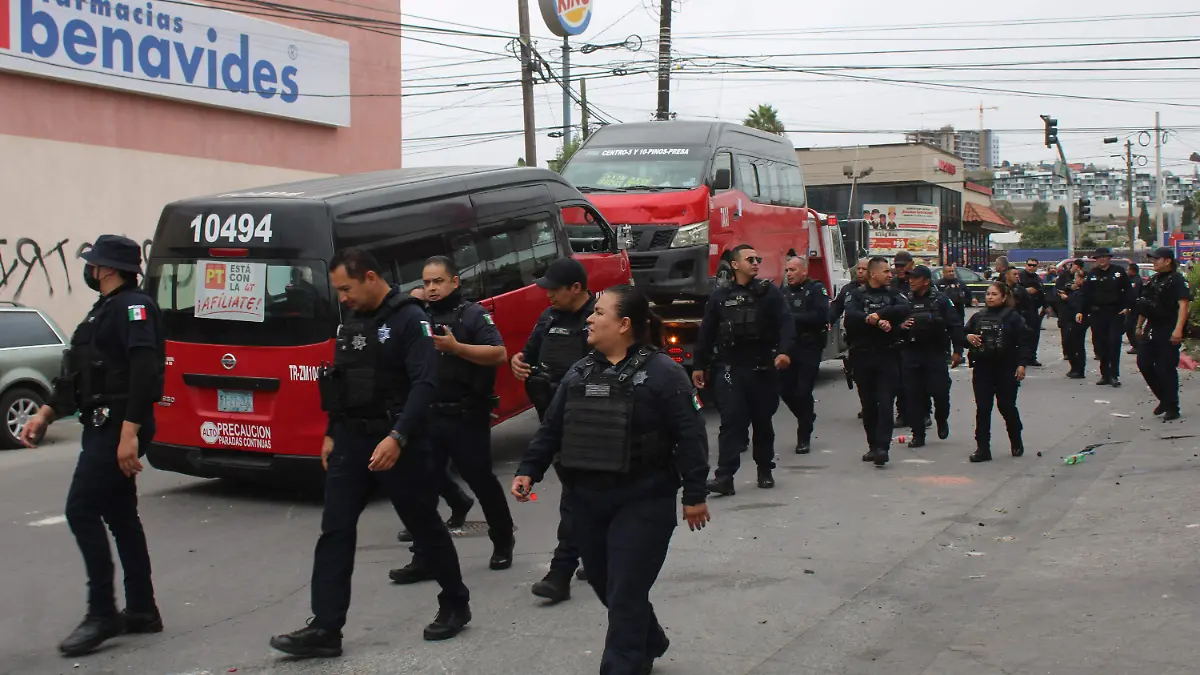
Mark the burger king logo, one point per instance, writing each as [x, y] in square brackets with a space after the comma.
[565, 18]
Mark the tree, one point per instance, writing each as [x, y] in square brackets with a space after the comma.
[1087, 242]
[1005, 208]
[565, 152]
[1042, 236]
[521, 161]
[1039, 215]
[1062, 222]
[1188, 217]
[1145, 228]
[765, 118]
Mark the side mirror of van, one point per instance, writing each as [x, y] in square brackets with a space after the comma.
[624, 237]
[723, 180]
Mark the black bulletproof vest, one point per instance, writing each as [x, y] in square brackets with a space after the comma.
[564, 344]
[873, 300]
[598, 422]
[95, 379]
[458, 378]
[929, 328]
[1154, 304]
[806, 335]
[954, 291]
[741, 323]
[1106, 293]
[993, 330]
[355, 385]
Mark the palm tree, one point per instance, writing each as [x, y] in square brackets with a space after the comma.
[765, 118]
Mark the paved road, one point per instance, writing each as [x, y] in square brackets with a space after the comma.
[843, 568]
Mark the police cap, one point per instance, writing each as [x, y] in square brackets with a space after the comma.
[1163, 252]
[903, 257]
[115, 251]
[920, 272]
[563, 273]
[1102, 252]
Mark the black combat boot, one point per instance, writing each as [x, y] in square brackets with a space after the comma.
[869, 456]
[142, 622]
[722, 485]
[308, 642]
[803, 447]
[555, 586]
[982, 454]
[943, 428]
[449, 622]
[1172, 414]
[412, 573]
[404, 536]
[881, 457]
[765, 479]
[90, 634]
[1160, 409]
[458, 514]
[502, 554]
[1014, 442]
[917, 441]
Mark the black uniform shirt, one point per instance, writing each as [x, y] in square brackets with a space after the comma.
[1097, 274]
[865, 336]
[950, 318]
[1016, 335]
[957, 290]
[901, 283]
[1029, 280]
[1073, 307]
[534, 344]
[839, 303]
[1026, 305]
[1176, 289]
[475, 325]
[777, 324]
[664, 400]
[809, 306]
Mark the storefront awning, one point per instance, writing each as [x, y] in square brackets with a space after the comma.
[985, 218]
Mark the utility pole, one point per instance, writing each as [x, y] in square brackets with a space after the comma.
[566, 78]
[1158, 182]
[1051, 142]
[583, 109]
[664, 62]
[1129, 193]
[527, 83]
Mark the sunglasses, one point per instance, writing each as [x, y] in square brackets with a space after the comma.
[753, 260]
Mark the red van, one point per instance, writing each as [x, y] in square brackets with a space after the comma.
[243, 283]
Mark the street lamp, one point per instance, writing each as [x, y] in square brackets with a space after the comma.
[848, 172]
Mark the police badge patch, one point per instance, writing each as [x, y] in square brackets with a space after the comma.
[385, 332]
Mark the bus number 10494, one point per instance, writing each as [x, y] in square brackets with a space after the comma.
[240, 228]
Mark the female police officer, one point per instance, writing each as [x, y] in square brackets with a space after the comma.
[1000, 351]
[627, 426]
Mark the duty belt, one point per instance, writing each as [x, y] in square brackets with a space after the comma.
[467, 408]
[367, 426]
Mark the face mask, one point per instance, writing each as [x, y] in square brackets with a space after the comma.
[90, 279]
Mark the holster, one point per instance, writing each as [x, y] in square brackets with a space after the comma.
[540, 389]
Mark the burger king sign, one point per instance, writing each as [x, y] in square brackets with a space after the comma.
[567, 17]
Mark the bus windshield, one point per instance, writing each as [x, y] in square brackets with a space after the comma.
[631, 169]
[260, 303]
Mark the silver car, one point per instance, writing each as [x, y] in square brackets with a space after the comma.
[31, 350]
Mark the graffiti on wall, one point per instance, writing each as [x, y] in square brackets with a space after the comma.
[27, 263]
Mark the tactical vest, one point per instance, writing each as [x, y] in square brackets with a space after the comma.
[458, 378]
[993, 330]
[88, 378]
[954, 291]
[1154, 303]
[563, 346]
[929, 328]
[1106, 294]
[598, 421]
[741, 322]
[806, 335]
[874, 301]
[354, 385]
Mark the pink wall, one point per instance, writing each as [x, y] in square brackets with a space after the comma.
[61, 111]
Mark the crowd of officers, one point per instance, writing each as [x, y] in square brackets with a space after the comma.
[411, 390]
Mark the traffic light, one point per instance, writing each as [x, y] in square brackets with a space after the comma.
[1051, 131]
[1085, 210]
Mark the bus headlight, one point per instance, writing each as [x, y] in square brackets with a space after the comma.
[691, 235]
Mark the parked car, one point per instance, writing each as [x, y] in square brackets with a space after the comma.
[31, 349]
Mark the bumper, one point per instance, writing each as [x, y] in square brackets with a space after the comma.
[672, 272]
[251, 466]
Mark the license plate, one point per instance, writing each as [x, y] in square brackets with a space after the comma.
[235, 401]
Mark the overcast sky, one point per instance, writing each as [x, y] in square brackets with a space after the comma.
[803, 34]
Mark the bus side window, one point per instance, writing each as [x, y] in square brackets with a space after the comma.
[793, 186]
[723, 160]
[405, 259]
[749, 178]
[516, 252]
[465, 255]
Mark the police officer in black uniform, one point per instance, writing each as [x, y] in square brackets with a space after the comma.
[112, 375]
[558, 341]
[1063, 285]
[903, 262]
[808, 301]
[1072, 322]
[1105, 293]
[1162, 317]
[955, 290]
[838, 306]
[1131, 319]
[933, 329]
[745, 337]
[377, 393]
[469, 350]
[873, 317]
[999, 342]
[626, 428]
[1029, 280]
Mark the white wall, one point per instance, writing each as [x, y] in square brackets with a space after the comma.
[57, 197]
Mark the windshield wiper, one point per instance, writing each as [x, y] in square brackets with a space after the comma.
[596, 188]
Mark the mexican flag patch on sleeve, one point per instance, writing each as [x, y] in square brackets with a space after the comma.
[426, 330]
[696, 401]
[137, 312]
[488, 319]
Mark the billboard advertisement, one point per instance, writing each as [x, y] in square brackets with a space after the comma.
[1187, 249]
[183, 51]
[903, 227]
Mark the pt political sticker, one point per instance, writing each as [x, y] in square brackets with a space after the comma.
[231, 291]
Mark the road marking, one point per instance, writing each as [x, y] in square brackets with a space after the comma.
[916, 461]
[940, 480]
[52, 520]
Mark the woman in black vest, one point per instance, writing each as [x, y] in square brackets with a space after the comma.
[624, 478]
[999, 342]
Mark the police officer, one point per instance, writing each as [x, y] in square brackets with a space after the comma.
[1135, 292]
[838, 306]
[558, 341]
[1072, 322]
[745, 336]
[873, 317]
[469, 350]
[1063, 285]
[113, 376]
[1028, 279]
[627, 429]
[932, 329]
[903, 262]
[1105, 292]
[955, 290]
[808, 301]
[377, 392]
[1162, 315]
[999, 342]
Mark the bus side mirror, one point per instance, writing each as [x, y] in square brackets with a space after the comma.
[624, 237]
[723, 180]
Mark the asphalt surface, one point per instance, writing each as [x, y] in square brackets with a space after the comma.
[931, 565]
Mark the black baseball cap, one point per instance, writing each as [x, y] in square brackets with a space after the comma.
[903, 257]
[115, 251]
[1163, 252]
[562, 273]
[920, 272]
[1102, 252]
